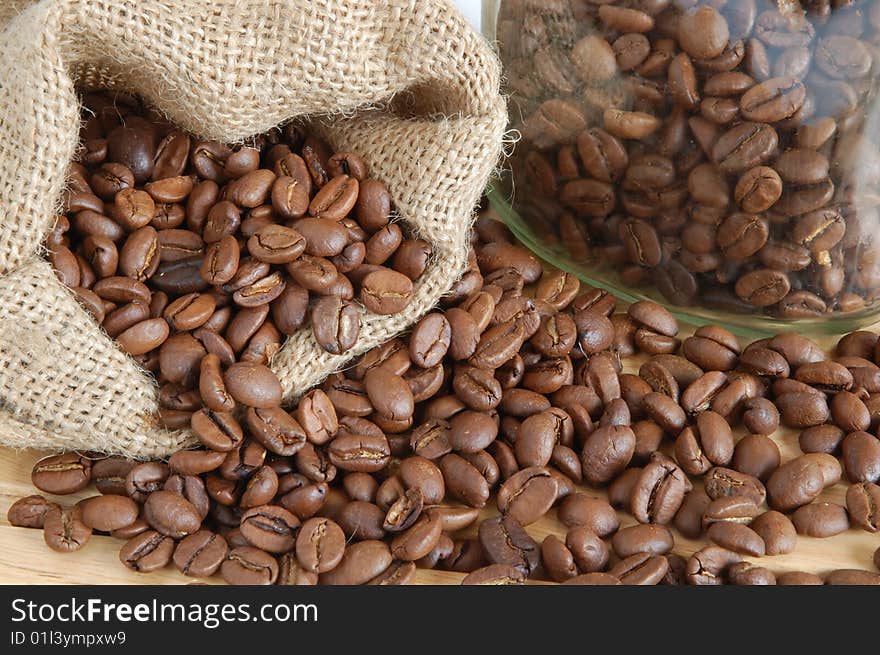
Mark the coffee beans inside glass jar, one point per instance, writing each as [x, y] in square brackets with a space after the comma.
[721, 152]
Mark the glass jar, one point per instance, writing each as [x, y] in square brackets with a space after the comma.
[720, 157]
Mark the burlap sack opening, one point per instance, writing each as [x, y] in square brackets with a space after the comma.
[405, 83]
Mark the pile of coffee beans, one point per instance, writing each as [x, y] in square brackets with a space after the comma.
[719, 150]
[182, 248]
[509, 397]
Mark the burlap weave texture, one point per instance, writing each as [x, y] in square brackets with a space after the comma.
[407, 84]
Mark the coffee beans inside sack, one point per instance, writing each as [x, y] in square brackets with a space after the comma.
[426, 130]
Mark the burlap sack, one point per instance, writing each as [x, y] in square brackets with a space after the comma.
[407, 84]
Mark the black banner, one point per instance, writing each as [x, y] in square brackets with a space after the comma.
[122, 618]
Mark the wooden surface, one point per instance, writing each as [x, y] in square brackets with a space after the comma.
[25, 559]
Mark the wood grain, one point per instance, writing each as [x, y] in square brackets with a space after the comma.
[25, 559]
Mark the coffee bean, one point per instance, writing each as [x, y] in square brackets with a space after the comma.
[320, 545]
[108, 513]
[700, 394]
[64, 530]
[597, 514]
[195, 462]
[386, 291]
[505, 542]
[795, 483]
[763, 287]
[722, 482]
[270, 528]
[430, 340]
[712, 350]
[703, 32]
[595, 332]
[736, 537]
[454, 518]
[291, 572]
[758, 189]
[276, 430]
[538, 434]
[145, 478]
[360, 563]
[335, 199]
[246, 565]
[710, 565]
[602, 154]
[659, 378]
[171, 514]
[653, 316]
[373, 206]
[843, 56]
[659, 491]
[742, 235]
[689, 518]
[744, 573]
[144, 336]
[777, 531]
[625, 20]
[418, 540]
[802, 409]
[464, 481]
[773, 100]
[589, 552]
[825, 376]
[799, 578]
[359, 452]
[744, 146]
[29, 512]
[863, 505]
[760, 416]
[709, 442]
[389, 394]
[593, 579]
[527, 495]
[495, 574]
[336, 324]
[861, 457]
[629, 124]
[729, 509]
[820, 519]
[478, 388]
[61, 474]
[821, 439]
[764, 362]
[756, 455]
[253, 385]
[147, 551]
[606, 452]
[317, 417]
[647, 538]
[852, 577]
[131, 530]
[497, 345]
[200, 554]
[664, 411]
[640, 569]
[557, 559]
[260, 488]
